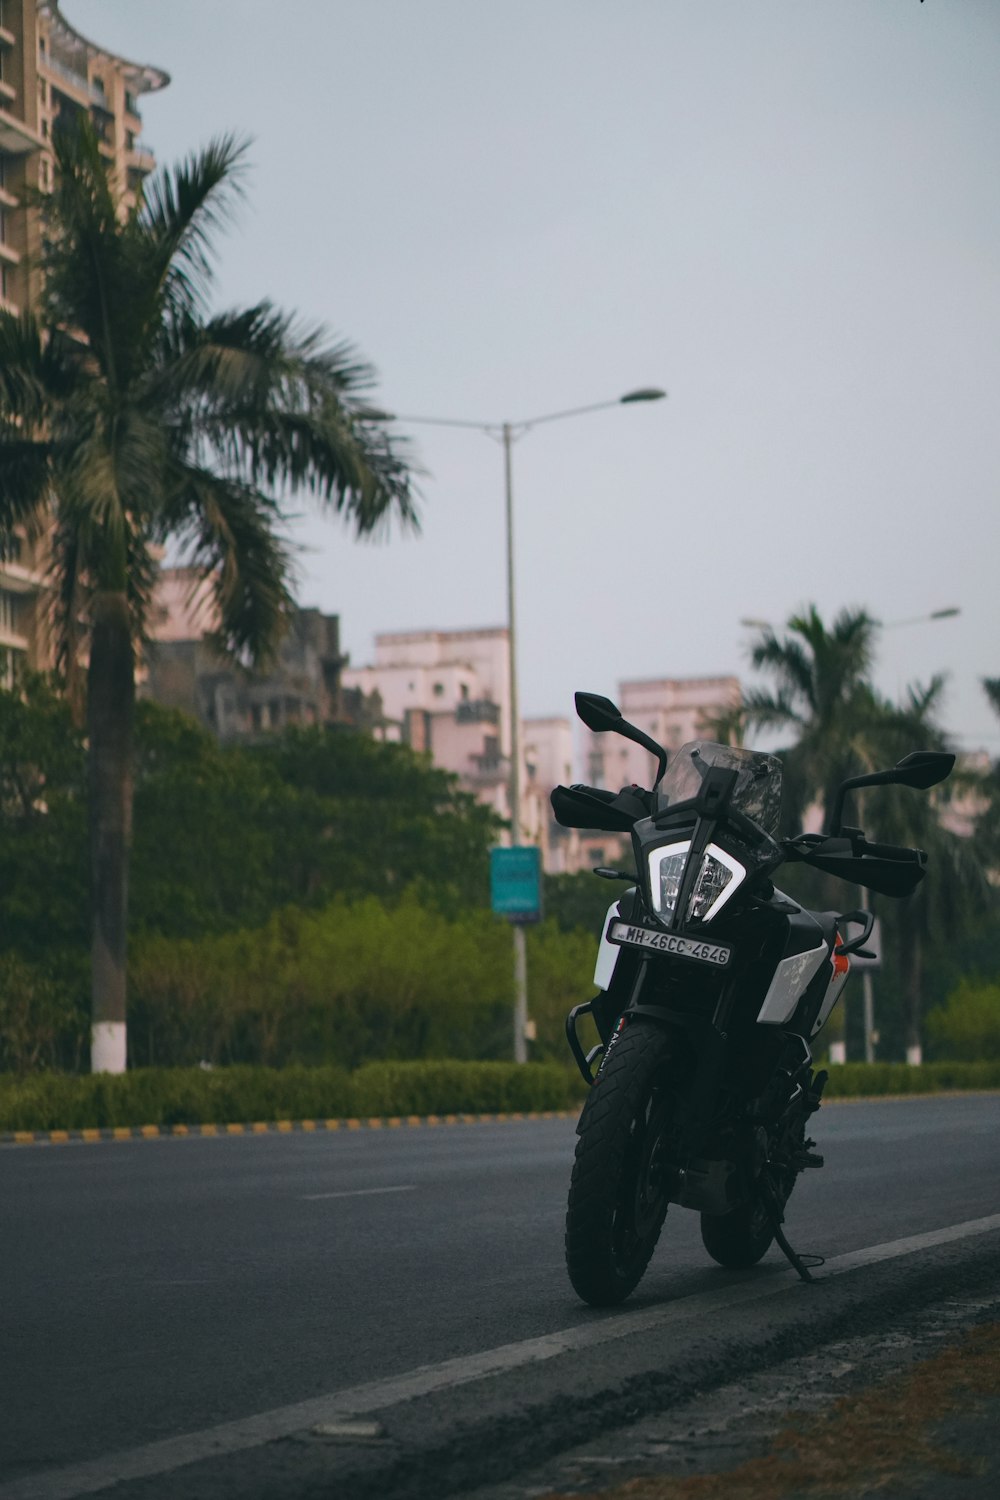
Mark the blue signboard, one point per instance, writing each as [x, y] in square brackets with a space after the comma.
[516, 883]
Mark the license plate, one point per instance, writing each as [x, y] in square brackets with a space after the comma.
[668, 942]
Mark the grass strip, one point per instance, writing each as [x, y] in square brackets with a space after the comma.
[862, 1444]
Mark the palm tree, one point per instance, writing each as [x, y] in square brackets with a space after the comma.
[843, 728]
[987, 793]
[955, 889]
[823, 696]
[131, 418]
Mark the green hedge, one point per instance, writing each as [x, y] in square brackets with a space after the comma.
[854, 1080]
[221, 1096]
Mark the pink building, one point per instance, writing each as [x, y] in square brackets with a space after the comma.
[672, 710]
[447, 692]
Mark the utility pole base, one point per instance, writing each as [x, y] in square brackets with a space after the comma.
[107, 1047]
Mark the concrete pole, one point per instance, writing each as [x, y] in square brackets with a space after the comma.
[869, 1003]
[868, 994]
[518, 931]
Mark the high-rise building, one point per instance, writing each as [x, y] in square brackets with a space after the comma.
[51, 75]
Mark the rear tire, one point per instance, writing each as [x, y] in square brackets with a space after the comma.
[740, 1238]
[618, 1191]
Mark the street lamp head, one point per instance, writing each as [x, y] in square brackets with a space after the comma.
[944, 614]
[645, 393]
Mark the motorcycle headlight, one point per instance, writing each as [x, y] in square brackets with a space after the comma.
[717, 880]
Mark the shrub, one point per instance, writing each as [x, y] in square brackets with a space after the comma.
[200, 1096]
[967, 1027]
[854, 1080]
[42, 1023]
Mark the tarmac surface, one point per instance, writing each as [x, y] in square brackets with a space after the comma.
[386, 1313]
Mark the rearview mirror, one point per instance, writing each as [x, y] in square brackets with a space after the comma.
[600, 714]
[923, 768]
[596, 712]
[920, 769]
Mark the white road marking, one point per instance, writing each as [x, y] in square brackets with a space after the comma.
[409, 1187]
[376, 1395]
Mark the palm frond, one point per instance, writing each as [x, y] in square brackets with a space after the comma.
[180, 211]
[787, 660]
[25, 484]
[89, 275]
[273, 406]
[228, 535]
[770, 710]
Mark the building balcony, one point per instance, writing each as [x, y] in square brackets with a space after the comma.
[69, 78]
[7, 254]
[487, 771]
[11, 640]
[141, 159]
[7, 92]
[17, 138]
[477, 711]
[7, 37]
[17, 579]
[7, 200]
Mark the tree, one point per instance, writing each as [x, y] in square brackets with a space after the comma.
[843, 727]
[131, 418]
[43, 847]
[955, 890]
[822, 694]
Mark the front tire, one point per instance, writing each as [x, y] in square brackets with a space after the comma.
[618, 1191]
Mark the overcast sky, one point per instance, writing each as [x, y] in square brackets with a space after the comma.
[785, 212]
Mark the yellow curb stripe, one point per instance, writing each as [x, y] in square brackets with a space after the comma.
[285, 1127]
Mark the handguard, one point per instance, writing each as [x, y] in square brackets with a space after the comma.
[595, 807]
[886, 868]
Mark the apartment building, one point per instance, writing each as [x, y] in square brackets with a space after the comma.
[181, 668]
[51, 74]
[447, 692]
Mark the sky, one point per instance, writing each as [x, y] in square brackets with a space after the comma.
[784, 213]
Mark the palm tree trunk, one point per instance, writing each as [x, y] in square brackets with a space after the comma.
[110, 712]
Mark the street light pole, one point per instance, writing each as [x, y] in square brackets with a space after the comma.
[519, 936]
[507, 432]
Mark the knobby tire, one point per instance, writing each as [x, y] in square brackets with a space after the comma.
[618, 1191]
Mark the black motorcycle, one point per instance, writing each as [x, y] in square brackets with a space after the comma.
[711, 985]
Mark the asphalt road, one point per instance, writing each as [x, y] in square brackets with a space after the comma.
[161, 1287]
